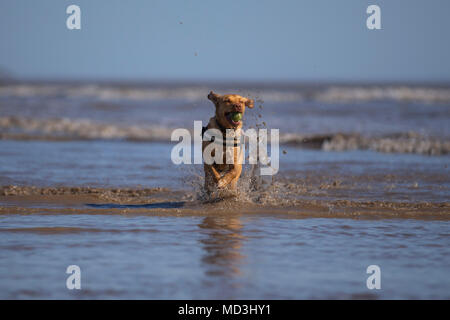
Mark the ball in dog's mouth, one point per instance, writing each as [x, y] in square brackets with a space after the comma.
[234, 118]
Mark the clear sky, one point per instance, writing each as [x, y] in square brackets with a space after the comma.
[318, 40]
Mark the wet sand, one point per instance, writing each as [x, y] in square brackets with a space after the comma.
[162, 201]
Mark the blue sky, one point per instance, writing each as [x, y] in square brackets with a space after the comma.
[310, 40]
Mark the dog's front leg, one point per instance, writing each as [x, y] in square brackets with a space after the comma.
[234, 173]
[213, 171]
[231, 175]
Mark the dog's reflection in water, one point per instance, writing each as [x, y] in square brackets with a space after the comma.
[223, 245]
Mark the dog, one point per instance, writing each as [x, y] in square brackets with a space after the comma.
[219, 176]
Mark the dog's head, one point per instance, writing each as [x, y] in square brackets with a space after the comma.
[230, 109]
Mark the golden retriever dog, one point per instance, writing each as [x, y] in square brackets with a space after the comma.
[230, 109]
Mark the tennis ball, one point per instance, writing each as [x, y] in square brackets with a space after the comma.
[237, 116]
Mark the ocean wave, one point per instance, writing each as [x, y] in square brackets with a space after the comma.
[188, 93]
[324, 93]
[22, 128]
[410, 142]
[394, 93]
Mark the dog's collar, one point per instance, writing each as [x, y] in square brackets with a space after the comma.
[236, 142]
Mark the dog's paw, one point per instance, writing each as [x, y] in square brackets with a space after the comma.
[221, 184]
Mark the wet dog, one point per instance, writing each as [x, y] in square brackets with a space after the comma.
[229, 112]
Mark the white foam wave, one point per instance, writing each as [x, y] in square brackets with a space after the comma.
[198, 93]
[73, 129]
[402, 93]
[410, 142]
[64, 128]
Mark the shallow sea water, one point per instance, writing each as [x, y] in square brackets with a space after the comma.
[222, 257]
[226, 255]
[170, 245]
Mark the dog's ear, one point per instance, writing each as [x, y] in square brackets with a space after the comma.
[214, 97]
[250, 103]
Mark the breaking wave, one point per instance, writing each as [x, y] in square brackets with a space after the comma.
[410, 142]
[23, 128]
[323, 93]
[101, 92]
[394, 93]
